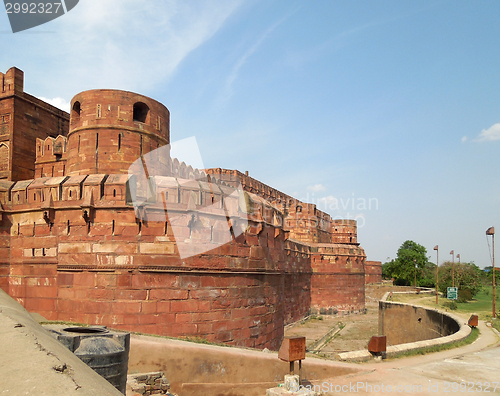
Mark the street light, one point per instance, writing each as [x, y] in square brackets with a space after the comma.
[491, 231]
[436, 248]
[453, 267]
[415, 264]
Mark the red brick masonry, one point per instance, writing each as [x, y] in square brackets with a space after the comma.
[373, 272]
[72, 247]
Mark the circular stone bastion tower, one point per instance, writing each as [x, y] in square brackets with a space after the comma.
[110, 129]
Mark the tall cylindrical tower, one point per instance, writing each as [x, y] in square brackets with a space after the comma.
[110, 129]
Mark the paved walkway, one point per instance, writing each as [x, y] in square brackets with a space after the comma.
[467, 370]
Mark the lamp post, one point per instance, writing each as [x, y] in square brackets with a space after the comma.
[436, 248]
[491, 231]
[453, 267]
[415, 264]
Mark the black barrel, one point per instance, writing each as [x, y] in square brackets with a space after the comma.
[105, 351]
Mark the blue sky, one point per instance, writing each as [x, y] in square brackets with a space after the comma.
[383, 111]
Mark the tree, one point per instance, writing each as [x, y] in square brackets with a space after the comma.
[488, 274]
[411, 262]
[428, 277]
[467, 279]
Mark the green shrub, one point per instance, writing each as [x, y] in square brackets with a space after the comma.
[464, 295]
[451, 305]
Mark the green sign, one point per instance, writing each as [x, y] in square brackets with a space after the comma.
[452, 293]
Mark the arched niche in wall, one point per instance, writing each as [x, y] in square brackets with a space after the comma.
[141, 112]
[76, 111]
[4, 157]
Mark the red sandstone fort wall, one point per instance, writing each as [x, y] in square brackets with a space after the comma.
[373, 272]
[337, 281]
[23, 119]
[304, 221]
[121, 272]
[72, 246]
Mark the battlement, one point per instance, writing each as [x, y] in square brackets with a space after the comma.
[254, 186]
[51, 156]
[303, 221]
[23, 119]
[11, 82]
[100, 190]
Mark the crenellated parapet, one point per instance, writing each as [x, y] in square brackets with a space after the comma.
[24, 119]
[11, 82]
[304, 221]
[51, 156]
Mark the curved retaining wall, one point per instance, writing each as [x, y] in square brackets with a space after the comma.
[403, 323]
[409, 327]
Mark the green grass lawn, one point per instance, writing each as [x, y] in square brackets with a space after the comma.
[482, 302]
[481, 305]
[496, 323]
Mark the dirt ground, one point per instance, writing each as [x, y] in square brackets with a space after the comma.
[329, 335]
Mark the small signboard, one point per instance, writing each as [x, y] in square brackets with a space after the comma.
[452, 293]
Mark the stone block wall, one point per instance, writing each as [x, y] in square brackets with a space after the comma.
[23, 119]
[78, 252]
[373, 272]
[146, 384]
[118, 271]
[73, 247]
[403, 323]
[337, 282]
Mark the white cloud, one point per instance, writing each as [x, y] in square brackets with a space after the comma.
[492, 133]
[129, 44]
[464, 139]
[328, 203]
[60, 103]
[316, 188]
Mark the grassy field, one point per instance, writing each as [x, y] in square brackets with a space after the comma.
[481, 305]
[496, 323]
